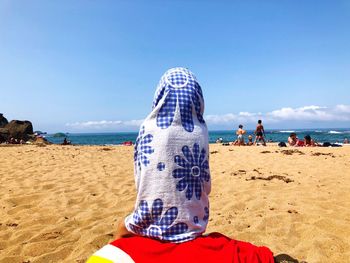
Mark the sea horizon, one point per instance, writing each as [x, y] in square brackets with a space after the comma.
[332, 135]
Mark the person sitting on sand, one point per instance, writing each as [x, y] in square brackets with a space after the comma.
[259, 133]
[308, 142]
[13, 141]
[219, 140]
[293, 139]
[240, 132]
[250, 140]
[173, 183]
[171, 162]
[346, 141]
[66, 142]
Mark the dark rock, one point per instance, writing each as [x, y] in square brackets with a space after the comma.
[4, 134]
[3, 121]
[20, 129]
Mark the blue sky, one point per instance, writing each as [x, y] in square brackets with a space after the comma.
[94, 65]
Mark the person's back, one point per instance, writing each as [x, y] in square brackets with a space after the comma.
[259, 128]
[259, 133]
[172, 176]
[171, 164]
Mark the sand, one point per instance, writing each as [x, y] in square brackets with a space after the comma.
[62, 203]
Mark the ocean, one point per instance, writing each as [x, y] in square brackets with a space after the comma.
[319, 135]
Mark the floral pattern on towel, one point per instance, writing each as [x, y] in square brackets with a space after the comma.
[193, 171]
[142, 149]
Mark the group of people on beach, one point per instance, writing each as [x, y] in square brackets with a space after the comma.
[12, 140]
[259, 136]
[293, 140]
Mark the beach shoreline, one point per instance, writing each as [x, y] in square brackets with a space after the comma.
[62, 203]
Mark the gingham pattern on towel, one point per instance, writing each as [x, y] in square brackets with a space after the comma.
[179, 89]
[171, 163]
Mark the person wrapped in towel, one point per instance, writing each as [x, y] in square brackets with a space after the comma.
[172, 177]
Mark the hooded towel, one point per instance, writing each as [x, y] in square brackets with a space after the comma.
[171, 163]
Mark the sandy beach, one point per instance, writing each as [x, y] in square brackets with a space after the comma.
[62, 203]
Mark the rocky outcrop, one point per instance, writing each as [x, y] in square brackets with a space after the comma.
[4, 134]
[3, 121]
[15, 129]
[20, 129]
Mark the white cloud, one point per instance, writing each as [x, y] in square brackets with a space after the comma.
[133, 123]
[307, 113]
[103, 125]
[246, 114]
[219, 119]
[233, 118]
[310, 113]
[342, 108]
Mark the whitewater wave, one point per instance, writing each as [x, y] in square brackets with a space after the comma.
[286, 131]
[335, 132]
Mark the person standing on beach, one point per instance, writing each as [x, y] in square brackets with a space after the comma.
[240, 132]
[259, 133]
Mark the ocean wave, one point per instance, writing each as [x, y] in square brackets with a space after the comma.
[335, 132]
[286, 131]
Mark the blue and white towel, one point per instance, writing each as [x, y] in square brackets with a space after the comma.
[171, 163]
